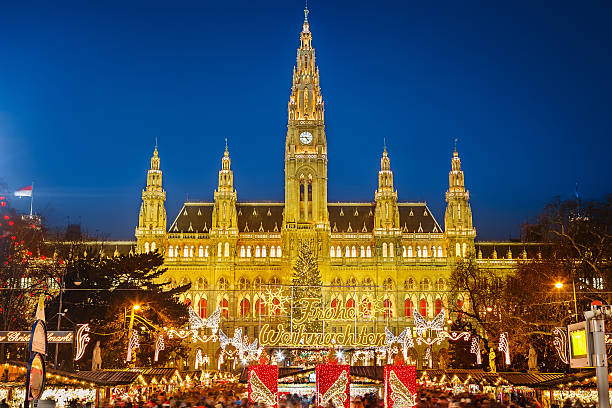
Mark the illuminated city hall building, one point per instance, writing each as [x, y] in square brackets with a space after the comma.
[385, 249]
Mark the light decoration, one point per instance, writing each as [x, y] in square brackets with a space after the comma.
[196, 322]
[428, 357]
[560, 342]
[475, 349]
[332, 385]
[400, 386]
[133, 344]
[200, 360]
[82, 338]
[195, 337]
[159, 346]
[263, 385]
[504, 347]
[422, 325]
[279, 356]
[244, 349]
[339, 355]
[275, 301]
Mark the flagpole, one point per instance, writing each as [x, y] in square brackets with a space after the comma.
[31, 199]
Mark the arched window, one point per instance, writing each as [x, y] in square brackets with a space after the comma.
[440, 255]
[257, 252]
[260, 308]
[242, 251]
[248, 251]
[223, 284]
[276, 307]
[263, 251]
[278, 251]
[418, 251]
[206, 251]
[273, 251]
[203, 308]
[457, 250]
[384, 249]
[362, 252]
[339, 251]
[368, 282]
[438, 306]
[334, 304]
[354, 252]
[201, 251]
[332, 252]
[153, 246]
[433, 251]
[404, 251]
[347, 252]
[425, 284]
[368, 251]
[219, 249]
[201, 284]
[391, 251]
[258, 282]
[227, 250]
[424, 252]
[170, 251]
[245, 307]
[191, 251]
[463, 252]
[410, 254]
[243, 284]
[387, 309]
[186, 251]
[409, 284]
[224, 305]
[441, 284]
[350, 304]
[146, 247]
[408, 306]
[423, 307]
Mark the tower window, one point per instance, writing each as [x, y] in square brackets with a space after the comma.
[338, 251]
[384, 249]
[362, 252]
[440, 255]
[464, 249]
[170, 251]
[332, 252]
[257, 251]
[191, 248]
[186, 251]
[248, 254]
[242, 251]
[418, 251]
[206, 251]
[227, 250]
[347, 252]
[201, 251]
[457, 250]
[391, 251]
[263, 251]
[153, 246]
[424, 252]
[410, 254]
[146, 247]
[219, 249]
[369, 251]
[278, 251]
[272, 251]
[354, 252]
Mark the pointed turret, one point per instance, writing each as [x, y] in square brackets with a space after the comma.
[458, 218]
[387, 215]
[224, 212]
[151, 230]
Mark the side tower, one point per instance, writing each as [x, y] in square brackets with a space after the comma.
[151, 230]
[224, 217]
[458, 218]
[305, 147]
[386, 216]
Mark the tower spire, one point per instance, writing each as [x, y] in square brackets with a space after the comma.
[306, 11]
[458, 218]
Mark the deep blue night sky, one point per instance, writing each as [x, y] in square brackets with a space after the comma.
[84, 90]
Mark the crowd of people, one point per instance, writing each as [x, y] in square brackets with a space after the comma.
[232, 396]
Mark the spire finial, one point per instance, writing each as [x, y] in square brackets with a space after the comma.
[306, 12]
[456, 140]
[155, 142]
[385, 144]
[226, 144]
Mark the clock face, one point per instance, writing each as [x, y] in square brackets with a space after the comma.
[306, 137]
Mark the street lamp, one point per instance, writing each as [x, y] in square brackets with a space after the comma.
[559, 285]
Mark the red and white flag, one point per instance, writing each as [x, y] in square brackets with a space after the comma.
[24, 192]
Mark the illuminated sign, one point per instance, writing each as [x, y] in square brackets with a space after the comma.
[580, 345]
[24, 336]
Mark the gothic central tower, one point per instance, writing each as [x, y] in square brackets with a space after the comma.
[306, 145]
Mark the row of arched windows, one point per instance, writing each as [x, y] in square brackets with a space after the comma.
[152, 247]
[260, 251]
[388, 251]
[189, 251]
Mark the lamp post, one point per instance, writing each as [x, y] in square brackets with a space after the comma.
[60, 313]
[131, 327]
[559, 285]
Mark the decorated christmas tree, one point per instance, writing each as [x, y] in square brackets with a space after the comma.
[306, 283]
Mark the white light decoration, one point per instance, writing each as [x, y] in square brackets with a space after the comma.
[200, 360]
[196, 322]
[276, 308]
[475, 349]
[339, 355]
[159, 345]
[560, 342]
[133, 344]
[422, 325]
[428, 357]
[244, 349]
[504, 347]
[279, 355]
[82, 338]
[195, 337]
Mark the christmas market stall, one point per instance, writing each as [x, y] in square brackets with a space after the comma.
[60, 386]
[580, 387]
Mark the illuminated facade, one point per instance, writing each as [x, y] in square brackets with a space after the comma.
[383, 250]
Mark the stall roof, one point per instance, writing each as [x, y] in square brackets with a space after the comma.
[477, 376]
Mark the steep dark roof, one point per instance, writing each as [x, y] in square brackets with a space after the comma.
[193, 217]
[260, 217]
[351, 217]
[416, 217]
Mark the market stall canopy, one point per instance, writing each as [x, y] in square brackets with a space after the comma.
[483, 377]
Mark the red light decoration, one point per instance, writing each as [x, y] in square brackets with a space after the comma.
[11, 223]
[6, 217]
[400, 386]
[43, 257]
[3, 203]
[263, 385]
[333, 383]
[3, 198]
[29, 253]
